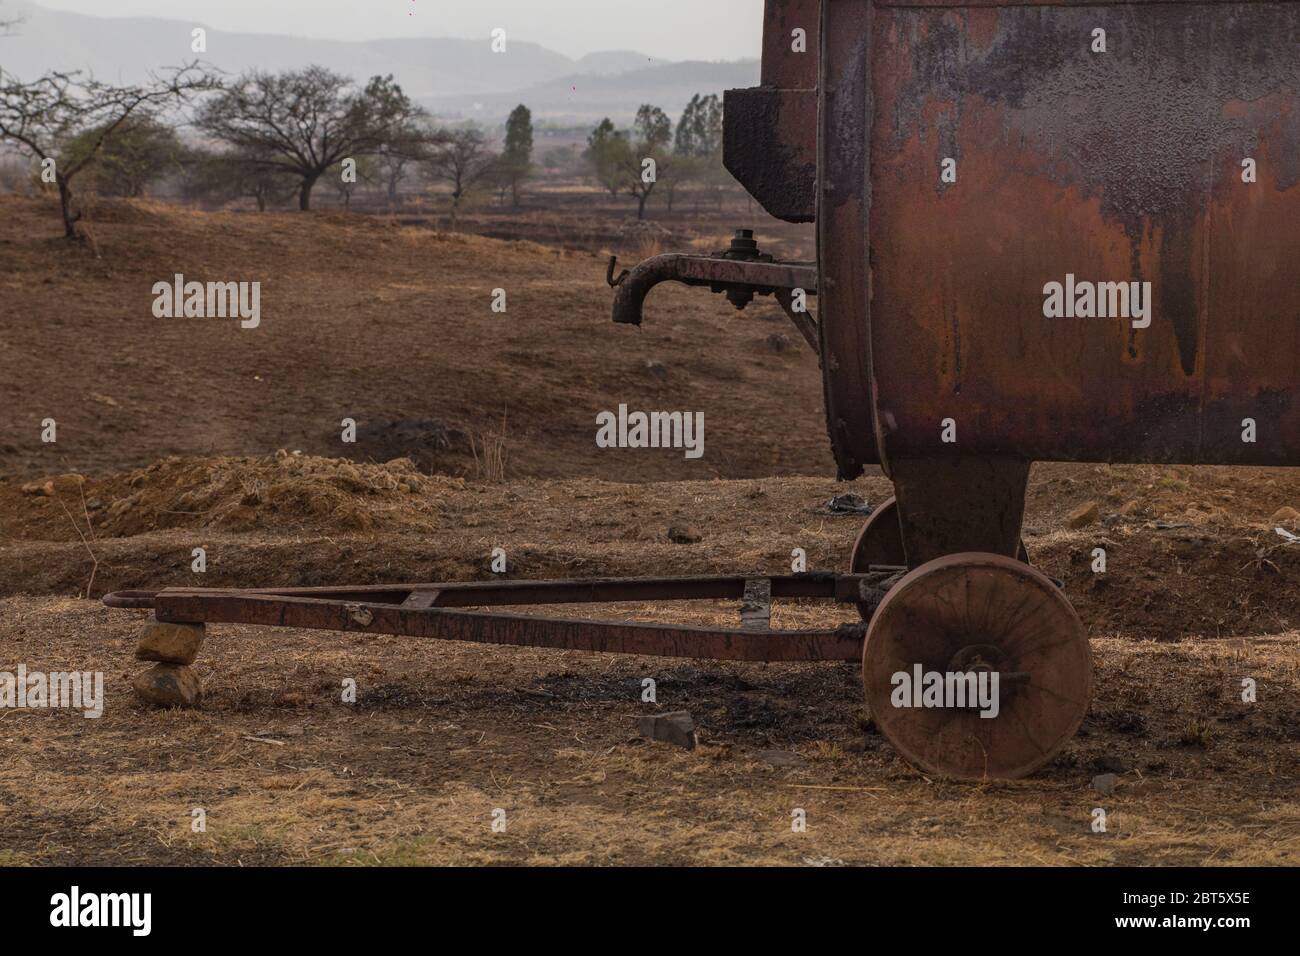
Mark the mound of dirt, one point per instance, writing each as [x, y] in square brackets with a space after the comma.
[1189, 553]
[287, 492]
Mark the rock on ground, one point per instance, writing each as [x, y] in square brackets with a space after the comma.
[1285, 516]
[1104, 783]
[1083, 515]
[683, 534]
[169, 685]
[169, 643]
[675, 727]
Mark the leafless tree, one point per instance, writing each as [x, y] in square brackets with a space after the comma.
[395, 159]
[460, 158]
[46, 117]
[306, 121]
[7, 24]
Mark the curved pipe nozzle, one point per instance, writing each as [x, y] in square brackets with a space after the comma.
[632, 286]
[720, 274]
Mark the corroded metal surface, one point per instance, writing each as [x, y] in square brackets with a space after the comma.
[844, 309]
[657, 640]
[825, 585]
[782, 67]
[979, 614]
[770, 145]
[1115, 166]
[880, 542]
[960, 503]
[719, 274]
[770, 132]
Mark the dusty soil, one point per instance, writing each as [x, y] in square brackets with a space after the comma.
[390, 325]
[177, 434]
[1195, 554]
[1200, 593]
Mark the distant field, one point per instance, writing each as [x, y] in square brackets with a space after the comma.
[390, 325]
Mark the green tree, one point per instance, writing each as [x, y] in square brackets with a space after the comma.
[653, 127]
[517, 158]
[623, 165]
[562, 160]
[139, 152]
[607, 155]
[221, 177]
[651, 160]
[699, 133]
[367, 171]
[697, 147]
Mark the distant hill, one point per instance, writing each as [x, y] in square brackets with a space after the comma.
[459, 77]
[583, 98]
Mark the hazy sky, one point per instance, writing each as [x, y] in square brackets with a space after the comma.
[678, 30]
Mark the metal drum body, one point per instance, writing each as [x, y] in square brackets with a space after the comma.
[1122, 166]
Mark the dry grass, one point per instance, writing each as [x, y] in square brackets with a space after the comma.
[490, 453]
[443, 735]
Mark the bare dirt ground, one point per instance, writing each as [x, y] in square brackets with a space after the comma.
[1200, 590]
[389, 325]
[443, 735]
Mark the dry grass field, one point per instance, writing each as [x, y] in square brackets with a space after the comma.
[175, 434]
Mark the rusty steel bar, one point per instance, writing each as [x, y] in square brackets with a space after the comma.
[804, 322]
[762, 277]
[431, 610]
[210, 605]
[843, 588]
[142, 600]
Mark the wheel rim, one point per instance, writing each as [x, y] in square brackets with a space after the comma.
[969, 613]
[880, 541]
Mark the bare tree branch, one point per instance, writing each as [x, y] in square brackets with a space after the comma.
[304, 122]
[47, 116]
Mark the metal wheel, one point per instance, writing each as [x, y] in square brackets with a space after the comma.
[880, 543]
[977, 613]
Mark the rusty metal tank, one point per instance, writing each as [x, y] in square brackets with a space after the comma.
[983, 176]
[960, 158]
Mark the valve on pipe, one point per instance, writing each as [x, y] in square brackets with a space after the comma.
[741, 271]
